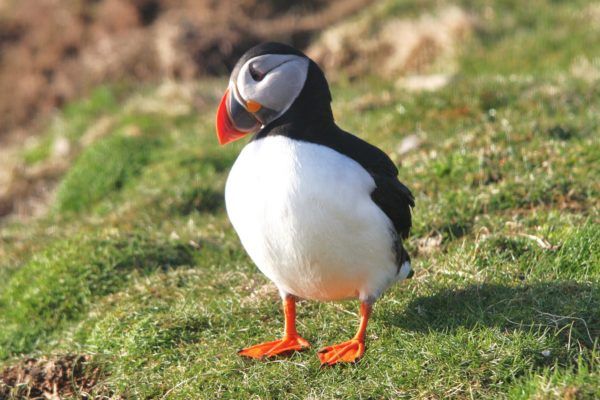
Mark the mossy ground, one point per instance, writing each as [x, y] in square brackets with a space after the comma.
[137, 265]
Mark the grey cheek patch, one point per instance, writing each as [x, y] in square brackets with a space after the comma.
[284, 79]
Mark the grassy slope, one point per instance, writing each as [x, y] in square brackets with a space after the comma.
[138, 265]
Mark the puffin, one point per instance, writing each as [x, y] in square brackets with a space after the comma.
[320, 211]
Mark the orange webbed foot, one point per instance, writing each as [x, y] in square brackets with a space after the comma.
[270, 349]
[350, 351]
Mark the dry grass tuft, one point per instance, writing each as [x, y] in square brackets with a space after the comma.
[257, 291]
[591, 14]
[586, 69]
[397, 48]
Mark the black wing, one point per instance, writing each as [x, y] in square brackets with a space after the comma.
[395, 200]
[393, 197]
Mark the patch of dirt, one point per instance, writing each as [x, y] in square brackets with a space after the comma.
[429, 244]
[256, 292]
[53, 378]
[53, 51]
[571, 393]
[396, 48]
[25, 191]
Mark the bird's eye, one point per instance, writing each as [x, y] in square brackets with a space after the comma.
[255, 74]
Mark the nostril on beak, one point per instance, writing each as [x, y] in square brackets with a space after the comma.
[253, 106]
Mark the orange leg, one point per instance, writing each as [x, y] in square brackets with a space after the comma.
[353, 349]
[291, 341]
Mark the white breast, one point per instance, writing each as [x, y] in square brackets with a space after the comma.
[305, 216]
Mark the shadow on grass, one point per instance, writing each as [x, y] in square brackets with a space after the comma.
[201, 199]
[456, 230]
[149, 258]
[569, 308]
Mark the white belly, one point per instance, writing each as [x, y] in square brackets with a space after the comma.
[305, 216]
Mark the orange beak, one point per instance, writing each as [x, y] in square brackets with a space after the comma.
[233, 120]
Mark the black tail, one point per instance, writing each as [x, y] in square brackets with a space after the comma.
[402, 256]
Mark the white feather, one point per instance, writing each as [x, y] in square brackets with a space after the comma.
[404, 271]
[305, 216]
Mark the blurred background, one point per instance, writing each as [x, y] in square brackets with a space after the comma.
[55, 51]
[121, 277]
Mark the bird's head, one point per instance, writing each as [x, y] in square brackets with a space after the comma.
[270, 82]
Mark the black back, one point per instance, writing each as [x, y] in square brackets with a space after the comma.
[310, 119]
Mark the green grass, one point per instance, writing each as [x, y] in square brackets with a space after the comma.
[109, 165]
[74, 120]
[58, 285]
[138, 266]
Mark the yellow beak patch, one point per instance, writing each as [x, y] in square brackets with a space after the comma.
[253, 106]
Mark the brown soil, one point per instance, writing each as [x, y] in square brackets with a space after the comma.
[52, 51]
[59, 377]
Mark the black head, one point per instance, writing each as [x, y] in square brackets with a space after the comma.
[272, 84]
